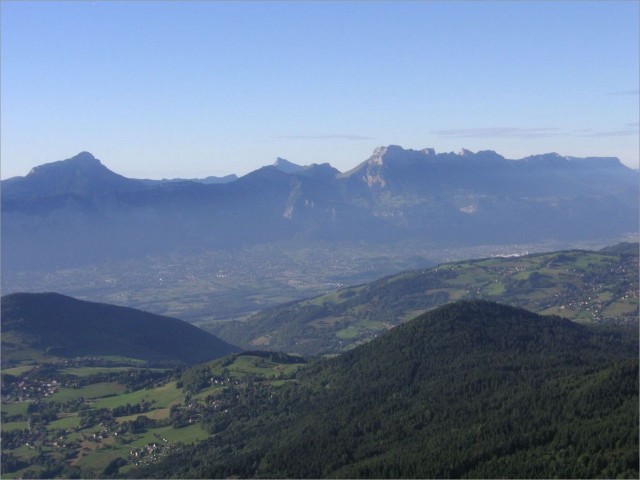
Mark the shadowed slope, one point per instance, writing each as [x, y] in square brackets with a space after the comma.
[65, 327]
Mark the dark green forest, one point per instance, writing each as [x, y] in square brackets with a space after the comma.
[46, 326]
[471, 389]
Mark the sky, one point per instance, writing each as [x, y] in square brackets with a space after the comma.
[192, 89]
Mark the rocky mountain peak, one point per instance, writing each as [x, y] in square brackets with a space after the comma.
[385, 153]
[84, 157]
[378, 153]
[287, 167]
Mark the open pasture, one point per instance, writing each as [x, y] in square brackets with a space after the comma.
[14, 409]
[95, 390]
[161, 397]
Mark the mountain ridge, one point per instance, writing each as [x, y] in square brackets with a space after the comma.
[394, 196]
[86, 161]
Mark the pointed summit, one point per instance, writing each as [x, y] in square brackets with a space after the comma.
[465, 153]
[82, 174]
[287, 167]
[84, 156]
[83, 160]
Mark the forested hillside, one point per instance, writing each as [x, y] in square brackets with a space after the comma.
[471, 389]
[586, 286]
[49, 326]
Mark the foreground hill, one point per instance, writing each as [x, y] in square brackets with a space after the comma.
[469, 390]
[76, 211]
[43, 326]
[585, 286]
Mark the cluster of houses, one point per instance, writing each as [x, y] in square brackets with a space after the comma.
[28, 389]
[151, 452]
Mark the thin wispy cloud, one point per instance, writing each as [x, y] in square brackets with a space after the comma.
[494, 132]
[583, 130]
[625, 92]
[612, 133]
[336, 136]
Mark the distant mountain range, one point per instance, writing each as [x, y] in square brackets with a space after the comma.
[76, 211]
[44, 326]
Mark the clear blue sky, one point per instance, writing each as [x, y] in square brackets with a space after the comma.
[190, 89]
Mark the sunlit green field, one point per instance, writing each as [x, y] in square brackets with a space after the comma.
[161, 397]
[9, 426]
[14, 409]
[96, 390]
[18, 370]
[243, 365]
[87, 371]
